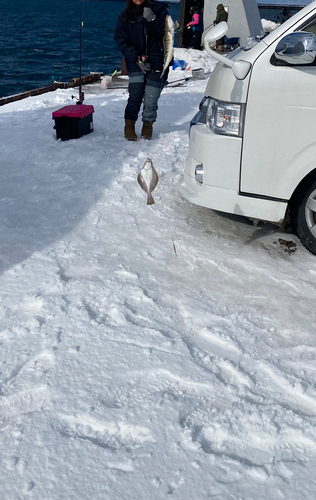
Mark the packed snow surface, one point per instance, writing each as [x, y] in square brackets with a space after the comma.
[145, 351]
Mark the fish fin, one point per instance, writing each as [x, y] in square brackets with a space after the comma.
[150, 199]
[141, 182]
[154, 180]
[157, 179]
[155, 172]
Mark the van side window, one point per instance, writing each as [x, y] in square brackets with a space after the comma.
[310, 26]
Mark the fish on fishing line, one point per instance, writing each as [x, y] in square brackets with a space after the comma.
[148, 179]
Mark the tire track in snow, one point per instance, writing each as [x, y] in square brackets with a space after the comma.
[254, 443]
[37, 366]
[109, 435]
[255, 377]
[30, 400]
[258, 391]
[23, 402]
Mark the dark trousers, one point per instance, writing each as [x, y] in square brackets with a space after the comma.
[145, 88]
[195, 41]
[220, 42]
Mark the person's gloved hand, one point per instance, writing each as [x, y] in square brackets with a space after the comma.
[148, 14]
[144, 66]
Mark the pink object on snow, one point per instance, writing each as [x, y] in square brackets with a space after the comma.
[74, 111]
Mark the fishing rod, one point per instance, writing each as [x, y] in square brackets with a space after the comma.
[72, 122]
[207, 27]
[186, 26]
[81, 94]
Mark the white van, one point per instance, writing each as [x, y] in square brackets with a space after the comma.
[253, 143]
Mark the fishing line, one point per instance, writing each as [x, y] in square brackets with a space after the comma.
[81, 95]
[186, 26]
[207, 27]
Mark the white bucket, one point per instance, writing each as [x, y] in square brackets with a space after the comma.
[106, 81]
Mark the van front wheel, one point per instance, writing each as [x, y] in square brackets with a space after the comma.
[303, 215]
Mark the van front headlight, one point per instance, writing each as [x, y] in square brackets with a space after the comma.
[225, 118]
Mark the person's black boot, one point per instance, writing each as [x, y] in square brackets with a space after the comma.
[147, 130]
[129, 130]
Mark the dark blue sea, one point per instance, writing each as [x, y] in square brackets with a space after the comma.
[40, 41]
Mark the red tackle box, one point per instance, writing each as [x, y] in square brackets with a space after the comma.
[72, 122]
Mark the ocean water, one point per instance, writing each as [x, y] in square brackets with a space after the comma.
[272, 14]
[40, 41]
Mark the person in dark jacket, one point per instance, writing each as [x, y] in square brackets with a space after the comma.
[285, 15]
[221, 15]
[139, 35]
[197, 25]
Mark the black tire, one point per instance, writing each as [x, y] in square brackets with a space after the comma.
[303, 215]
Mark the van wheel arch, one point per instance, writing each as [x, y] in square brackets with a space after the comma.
[302, 211]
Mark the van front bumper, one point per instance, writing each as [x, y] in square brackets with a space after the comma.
[218, 158]
[218, 154]
[229, 201]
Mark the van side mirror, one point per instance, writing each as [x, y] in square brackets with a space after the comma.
[240, 68]
[296, 48]
[217, 32]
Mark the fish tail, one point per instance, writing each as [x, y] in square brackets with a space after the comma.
[150, 199]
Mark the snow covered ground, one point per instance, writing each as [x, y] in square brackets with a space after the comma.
[145, 351]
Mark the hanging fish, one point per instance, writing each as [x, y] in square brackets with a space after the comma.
[148, 179]
[168, 40]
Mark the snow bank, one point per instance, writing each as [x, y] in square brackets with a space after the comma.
[269, 26]
[194, 59]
